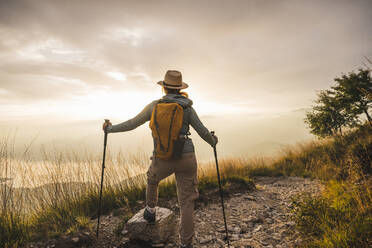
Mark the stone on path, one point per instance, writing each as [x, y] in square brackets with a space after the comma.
[159, 232]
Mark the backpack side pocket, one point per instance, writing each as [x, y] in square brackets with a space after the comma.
[178, 147]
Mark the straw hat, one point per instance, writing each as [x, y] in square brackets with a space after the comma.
[173, 80]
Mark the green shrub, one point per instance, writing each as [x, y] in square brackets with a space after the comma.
[13, 230]
[340, 218]
[239, 181]
[361, 154]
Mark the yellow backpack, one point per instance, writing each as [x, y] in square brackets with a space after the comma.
[165, 124]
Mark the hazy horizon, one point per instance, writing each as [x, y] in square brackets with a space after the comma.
[253, 67]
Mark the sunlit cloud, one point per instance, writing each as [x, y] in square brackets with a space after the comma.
[117, 75]
[31, 52]
[132, 36]
[50, 50]
[3, 92]
[142, 75]
[66, 81]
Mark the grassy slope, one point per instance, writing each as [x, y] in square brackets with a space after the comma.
[342, 216]
[339, 218]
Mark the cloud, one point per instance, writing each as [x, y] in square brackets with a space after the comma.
[282, 49]
[253, 66]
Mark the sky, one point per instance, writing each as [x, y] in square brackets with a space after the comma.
[253, 66]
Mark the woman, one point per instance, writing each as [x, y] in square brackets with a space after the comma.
[185, 169]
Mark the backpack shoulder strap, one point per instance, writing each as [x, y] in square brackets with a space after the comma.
[157, 125]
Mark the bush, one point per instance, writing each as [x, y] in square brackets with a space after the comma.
[13, 230]
[340, 218]
[361, 155]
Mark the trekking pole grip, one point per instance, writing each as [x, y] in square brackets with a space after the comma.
[212, 132]
[107, 121]
[105, 139]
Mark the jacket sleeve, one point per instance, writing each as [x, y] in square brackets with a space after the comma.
[133, 123]
[200, 128]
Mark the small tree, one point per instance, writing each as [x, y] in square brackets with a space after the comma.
[343, 104]
[354, 91]
[329, 116]
[320, 123]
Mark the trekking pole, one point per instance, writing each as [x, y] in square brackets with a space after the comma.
[221, 193]
[103, 170]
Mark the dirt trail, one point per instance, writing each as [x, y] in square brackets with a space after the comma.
[259, 218]
[256, 219]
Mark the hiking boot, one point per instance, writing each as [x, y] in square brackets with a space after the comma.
[186, 246]
[150, 217]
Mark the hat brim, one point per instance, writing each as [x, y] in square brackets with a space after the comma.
[183, 86]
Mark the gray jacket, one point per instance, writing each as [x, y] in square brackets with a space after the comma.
[190, 118]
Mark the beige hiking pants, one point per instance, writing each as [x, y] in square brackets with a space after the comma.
[185, 171]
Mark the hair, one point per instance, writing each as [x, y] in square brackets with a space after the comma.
[175, 91]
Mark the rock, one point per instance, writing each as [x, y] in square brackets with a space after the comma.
[75, 239]
[236, 230]
[158, 245]
[249, 197]
[159, 232]
[258, 228]
[234, 237]
[124, 240]
[206, 239]
[268, 220]
[244, 228]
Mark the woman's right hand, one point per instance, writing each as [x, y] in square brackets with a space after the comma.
[107, 123]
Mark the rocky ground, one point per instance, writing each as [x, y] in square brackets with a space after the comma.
[258, 218]
[255, 219]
